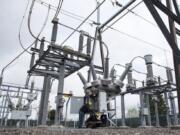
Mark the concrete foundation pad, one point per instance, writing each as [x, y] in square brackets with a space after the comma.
[146, 127]
[42, 126]
[57, 126]
[123, 127]
[177, 127]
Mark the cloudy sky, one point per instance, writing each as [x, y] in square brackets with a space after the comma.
[122, 45]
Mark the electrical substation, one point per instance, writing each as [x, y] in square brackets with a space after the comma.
[98, 110]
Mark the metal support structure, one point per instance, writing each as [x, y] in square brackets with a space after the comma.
[143, 120]
[170, 36]
[156, 111]
[59, 100]
[101, 47]
[43, 109]
[149, 111]
[4, 109]
[116, 14]
[123, 117]
[167, 109]
[2, 103]
[173, 109]
[176, 57]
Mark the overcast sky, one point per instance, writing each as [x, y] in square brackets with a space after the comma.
[122, 47]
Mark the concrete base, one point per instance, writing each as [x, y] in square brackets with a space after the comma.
[158, 127]
[57, 126]
[146, 127]
[177, 127]
[123, 127]
[42, 126]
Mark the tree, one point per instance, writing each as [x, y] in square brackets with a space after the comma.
[51, 115]
[132, 113]
[161, 105]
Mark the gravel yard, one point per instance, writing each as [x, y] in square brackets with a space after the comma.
[104, 131]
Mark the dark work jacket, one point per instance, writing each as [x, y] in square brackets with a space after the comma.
[85, 109]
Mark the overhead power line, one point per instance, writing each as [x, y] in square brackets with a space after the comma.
[66, 13]
[20, 27]
[136, 14]
[122, 16]
[29, 22]
[58, 8]
[83, 21]
[139, 39]
[26, 49]
[140, 72]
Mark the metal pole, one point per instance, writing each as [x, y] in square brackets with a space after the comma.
[101, 48]
[59, 101]
[173, 108]
[156, 112]
[167, 109]
[149, 111]
[98, 12]
[67, 103]
[4, 108]
[123, 111]
[43, 110]
[143, 120]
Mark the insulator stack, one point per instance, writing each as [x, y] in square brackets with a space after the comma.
[129, 74]
[54, 30]
[88, 49]
[81, 41]
[32, 60]
[41, 47]
[106, 68]
[93, 72]
[82, 78]
[169, 75]
[32, 86]
[148, 61]
[128, 67]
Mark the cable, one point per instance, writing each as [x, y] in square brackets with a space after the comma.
[29, 22]
[16, 58]
[139, 39]
[82, 22]
[25, 50]
[139, 72]
[58, 8]
[66, 13]
[19, 35]
[163, 66]
[136, 14]
[122, 16]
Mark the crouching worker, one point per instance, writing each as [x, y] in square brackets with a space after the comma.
[85, 109]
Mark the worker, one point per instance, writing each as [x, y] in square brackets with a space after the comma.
[84, 110]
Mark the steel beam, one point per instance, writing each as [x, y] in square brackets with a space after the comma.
[170, 36]
[59, 100]
[161, 25]
[166, 10]
[175, 56]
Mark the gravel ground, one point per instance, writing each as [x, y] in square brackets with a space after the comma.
[106, 131]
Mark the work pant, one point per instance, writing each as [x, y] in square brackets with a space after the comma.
[81, 119]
